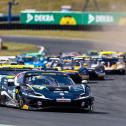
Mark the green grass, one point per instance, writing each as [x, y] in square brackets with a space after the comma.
[77, 5]
[15, 49]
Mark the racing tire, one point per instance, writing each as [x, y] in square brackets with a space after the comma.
[2, 98]
[21, 102]
[23, 105]
[91, 108]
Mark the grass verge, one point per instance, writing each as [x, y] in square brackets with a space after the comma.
[15, 49]
[104, 5]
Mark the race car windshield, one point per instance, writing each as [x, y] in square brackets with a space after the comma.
[63, 80]
[76, 64]
[52, 80]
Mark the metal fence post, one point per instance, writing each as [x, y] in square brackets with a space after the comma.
[9, 11]
[1, 44]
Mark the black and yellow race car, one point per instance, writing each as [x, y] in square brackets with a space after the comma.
[10, 71]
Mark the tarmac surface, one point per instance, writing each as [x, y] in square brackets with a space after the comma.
[110, 95]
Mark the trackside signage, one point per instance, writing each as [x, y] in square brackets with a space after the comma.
[40, 18]
[102, 19]
[73, 18]
[37, 18]
[57, 18]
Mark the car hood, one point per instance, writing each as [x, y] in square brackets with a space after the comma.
[54, 92]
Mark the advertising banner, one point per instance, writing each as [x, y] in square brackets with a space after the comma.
[56, 18]
[104, 18]
[73, 18]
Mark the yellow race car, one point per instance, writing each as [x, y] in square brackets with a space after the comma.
[10, 71]
[77, 77]
[107, 53]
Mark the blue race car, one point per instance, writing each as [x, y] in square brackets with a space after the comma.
[29, 59]
[33, 90]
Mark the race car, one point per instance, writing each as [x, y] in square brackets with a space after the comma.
[95, 68]
[54, 63]
[35, 59]
[108, 54]
[122, 55]
[35, 90]
[114, 64]
[10, 71]
[93, 53]
[7, 60]
[74, 69]
[78, 76]
[67, 59]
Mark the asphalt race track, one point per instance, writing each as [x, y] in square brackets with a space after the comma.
[110, 96]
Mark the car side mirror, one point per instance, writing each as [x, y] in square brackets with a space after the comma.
[103, 63]
[84, 82]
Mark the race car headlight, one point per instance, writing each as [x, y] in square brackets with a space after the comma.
[82, 95]
[87, 93]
